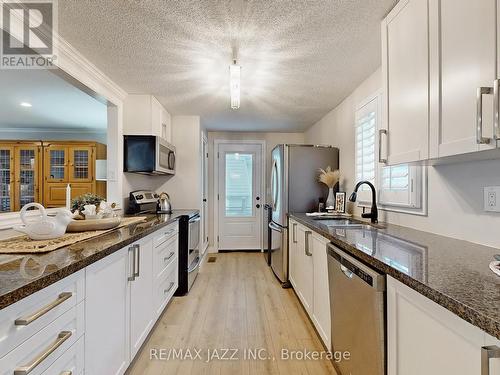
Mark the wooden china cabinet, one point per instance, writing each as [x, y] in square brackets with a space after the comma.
[70, 163]
[40, 172]
[20, 174]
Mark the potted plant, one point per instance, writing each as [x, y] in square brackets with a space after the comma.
[330, 178]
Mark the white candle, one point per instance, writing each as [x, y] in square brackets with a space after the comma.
[68, 197]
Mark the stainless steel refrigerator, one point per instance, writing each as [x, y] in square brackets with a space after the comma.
[295, 188]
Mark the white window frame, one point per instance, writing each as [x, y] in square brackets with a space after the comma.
[417, 199]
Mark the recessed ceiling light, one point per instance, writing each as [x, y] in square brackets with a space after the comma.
[25, 104]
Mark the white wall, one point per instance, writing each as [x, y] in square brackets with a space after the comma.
[52, 135]
[272, 139]
[455, 191]
[184, 187]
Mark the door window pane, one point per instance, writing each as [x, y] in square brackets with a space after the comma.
[57, 164]
[239, 184]
[81, 170]
[5, 180]
[27, 176]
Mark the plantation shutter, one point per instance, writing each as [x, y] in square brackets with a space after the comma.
[366, 129]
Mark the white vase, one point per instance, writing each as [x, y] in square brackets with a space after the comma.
[330, 201]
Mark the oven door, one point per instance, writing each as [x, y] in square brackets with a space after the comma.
[165, 156]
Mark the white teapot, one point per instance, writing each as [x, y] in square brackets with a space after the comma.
[44, 227]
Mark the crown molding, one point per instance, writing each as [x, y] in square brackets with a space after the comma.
[54, 130]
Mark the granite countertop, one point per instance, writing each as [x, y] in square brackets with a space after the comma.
[453, 273]
[25, 274]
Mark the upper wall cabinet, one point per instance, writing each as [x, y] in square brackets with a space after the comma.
[144, 115]
[439, 64]
[405, 62]
[464, 68]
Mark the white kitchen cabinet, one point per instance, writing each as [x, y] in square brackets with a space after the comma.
[107, 326]
[309, 276]
[304, 268]
[494, 363]
[292, 252]
[425, 338]
[321, 291]
[141, 295]
[405, 70]
[144, 115]
[463, 59]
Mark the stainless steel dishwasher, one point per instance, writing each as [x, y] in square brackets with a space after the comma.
[357, 305]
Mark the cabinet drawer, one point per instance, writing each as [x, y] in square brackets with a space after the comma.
[166, 287]
[165, 255]
[41, 350]
[71, 362]
[164, 234]
[23, 319]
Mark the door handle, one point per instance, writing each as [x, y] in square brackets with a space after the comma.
[487, 353]
[380, 159]
[138, 255]
[294, 232]
[346, 271]
[275, 227]
[61, 338]
[30, 319]
[479, 114]
[496, 110]
[131, 249]
[306, 247]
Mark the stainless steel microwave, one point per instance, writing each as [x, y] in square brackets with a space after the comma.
[148, 154]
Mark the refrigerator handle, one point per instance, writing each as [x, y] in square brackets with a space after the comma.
[273, 187]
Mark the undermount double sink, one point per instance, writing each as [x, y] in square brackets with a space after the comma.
[343, 223]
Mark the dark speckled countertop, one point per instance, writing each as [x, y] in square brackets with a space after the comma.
[453, 273]
[22, 275]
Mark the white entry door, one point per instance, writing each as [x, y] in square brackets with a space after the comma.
[240, 198]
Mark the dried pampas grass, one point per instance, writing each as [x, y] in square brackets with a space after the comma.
[328, 177]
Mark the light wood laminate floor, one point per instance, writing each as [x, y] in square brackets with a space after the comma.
[236, 303]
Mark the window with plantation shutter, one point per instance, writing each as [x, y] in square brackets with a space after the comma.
[366, 128]
[398, 187]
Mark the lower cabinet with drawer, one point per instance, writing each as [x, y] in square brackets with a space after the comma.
[38, 330]
[139, 282]
[425, 338]
[95, 320]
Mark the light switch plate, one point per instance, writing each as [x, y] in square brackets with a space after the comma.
[492, 198]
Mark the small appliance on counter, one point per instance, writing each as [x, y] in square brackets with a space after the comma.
[164, 205]
[142, 201]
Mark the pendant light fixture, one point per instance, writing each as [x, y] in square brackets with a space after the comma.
[234, 84]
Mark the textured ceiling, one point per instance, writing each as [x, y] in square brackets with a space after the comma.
[56, 104]
[299, 58]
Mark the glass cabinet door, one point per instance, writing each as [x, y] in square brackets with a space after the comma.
[6, 178]
[26, 175]
[56, 164]
[81, 164]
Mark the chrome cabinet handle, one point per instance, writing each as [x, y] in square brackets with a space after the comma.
[479, 114]
[487, 353]
[66, 373]
[306, 247]
[496, 110]
[61, 338]
[346, 271]
[169, 288]
[169, 256]
[294, 232]
[380, 159]
[132, 276]
[138, 255]
[24, 321]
